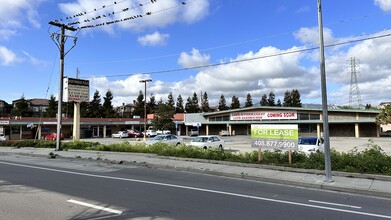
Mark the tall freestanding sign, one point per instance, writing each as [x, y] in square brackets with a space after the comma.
[76, 90]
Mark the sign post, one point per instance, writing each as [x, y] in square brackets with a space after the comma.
[76, 90]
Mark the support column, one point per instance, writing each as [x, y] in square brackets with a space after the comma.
[39, 132]
[207, 129]
[356, 130]
[318, 131]
[76, 122]
[230, 130]
[21, 133]
[104, 131]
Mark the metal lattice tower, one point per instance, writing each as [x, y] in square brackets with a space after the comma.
[354, 93]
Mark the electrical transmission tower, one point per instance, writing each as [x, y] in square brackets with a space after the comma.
[354, 93]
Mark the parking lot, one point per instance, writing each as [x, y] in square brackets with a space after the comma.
[242, 143]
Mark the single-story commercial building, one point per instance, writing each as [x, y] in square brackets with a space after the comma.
[342, 122]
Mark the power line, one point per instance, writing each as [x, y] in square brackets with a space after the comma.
[245, 60]
[273, 36]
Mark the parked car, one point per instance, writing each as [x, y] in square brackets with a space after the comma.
[53, 136]
[150, 133]
[134, 133]
[158, 132]
[224, 133]
[166, 138]
[2, 137]
[193, 132]
[209, 141]
[310, 144]
[386, 133]
[120, 134]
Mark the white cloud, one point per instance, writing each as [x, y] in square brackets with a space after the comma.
[385, 5]
[35, 61]
[155, 39]
[7, 57]
[194, 59]
[6, 34]
[303, 9]
[13, 14]
[311, 35]
[163, 13]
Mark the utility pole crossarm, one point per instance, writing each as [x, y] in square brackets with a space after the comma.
[62, 26]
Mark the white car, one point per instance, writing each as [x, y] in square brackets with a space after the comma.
[166, 138]
[2, 137]
[120, 134]
[159, 132]
[150, 133]
[209, 141]
[310, 145]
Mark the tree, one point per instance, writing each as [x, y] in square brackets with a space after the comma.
[191, 105]
[139, 105]
[287, 99]
[279, 103]
[263, 101]
[179, 105]
[107, 108]
[170, 101]
[94, 108]
[163, 118]
[368, 106]
[205, 103]
[22, 108]
[52, 108]
[222, 104]
[249, 101]
[151, 105]
[384, 116]
[271, 100]
[296, 101]
[235, 102]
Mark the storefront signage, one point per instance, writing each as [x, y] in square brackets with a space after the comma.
[4, 122]
[270, 115]
[274, 136]
[76, 90]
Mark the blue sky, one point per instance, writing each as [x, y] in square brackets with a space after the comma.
[199, 33]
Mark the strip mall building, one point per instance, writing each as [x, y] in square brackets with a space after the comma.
[342, 123]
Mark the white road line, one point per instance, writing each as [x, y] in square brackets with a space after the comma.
[204, 190]
[335, 204]
[95, 206]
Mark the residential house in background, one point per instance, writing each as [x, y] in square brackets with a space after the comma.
[5, 109]
[37, 106]
[125, 110]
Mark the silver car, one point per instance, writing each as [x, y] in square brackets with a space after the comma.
[209, 141]
[120, 134]
[2, 138]
[166, 138]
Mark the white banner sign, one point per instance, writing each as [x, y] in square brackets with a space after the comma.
[4, 122]
[254, 116]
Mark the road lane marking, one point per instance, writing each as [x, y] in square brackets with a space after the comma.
[95, 206]
[203, 190]
[335, 204]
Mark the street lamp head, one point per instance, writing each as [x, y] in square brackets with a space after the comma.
[146, 80]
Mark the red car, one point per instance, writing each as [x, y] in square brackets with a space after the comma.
[53, 136]
[134, 133]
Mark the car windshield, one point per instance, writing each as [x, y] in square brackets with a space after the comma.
[158, 138]
[307, 141]
[200, 139]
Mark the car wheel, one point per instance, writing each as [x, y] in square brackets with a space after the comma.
[205, 147]
[220, 147]
[177, 144]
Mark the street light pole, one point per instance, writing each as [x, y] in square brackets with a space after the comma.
[145, 105]
[325, 116]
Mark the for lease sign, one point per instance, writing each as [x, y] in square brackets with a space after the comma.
[275, 136]
[272, 115]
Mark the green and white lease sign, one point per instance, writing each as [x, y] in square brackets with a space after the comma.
[275, 136]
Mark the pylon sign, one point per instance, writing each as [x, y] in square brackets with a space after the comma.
[76, 90]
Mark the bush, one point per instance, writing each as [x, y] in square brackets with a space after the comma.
[372, 160]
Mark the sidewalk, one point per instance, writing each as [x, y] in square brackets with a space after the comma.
[375, 185]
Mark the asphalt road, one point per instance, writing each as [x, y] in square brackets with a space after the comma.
[37, 188]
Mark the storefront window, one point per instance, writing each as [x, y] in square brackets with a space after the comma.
[314, 116]
[15, 130]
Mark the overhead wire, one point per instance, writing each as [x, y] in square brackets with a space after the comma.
[243, 60]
